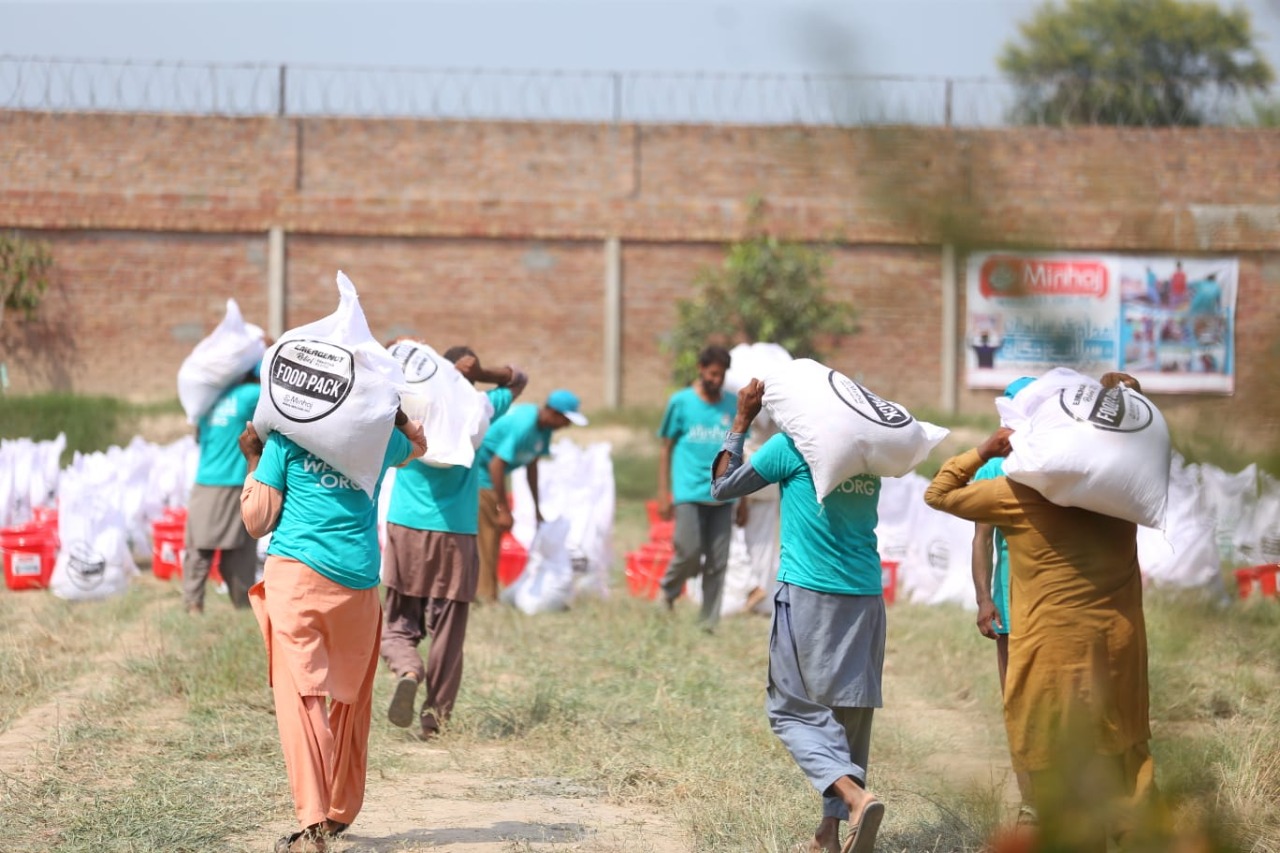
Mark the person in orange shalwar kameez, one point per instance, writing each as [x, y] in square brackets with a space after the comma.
[321, 620]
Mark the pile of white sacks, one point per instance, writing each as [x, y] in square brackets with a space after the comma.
[1213, 519]
[107, 502]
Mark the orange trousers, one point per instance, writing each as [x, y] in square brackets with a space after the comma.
[322, 655]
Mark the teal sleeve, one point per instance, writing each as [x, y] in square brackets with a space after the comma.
[990, 469]
[501, 399]
[271, 467]
[777, 459]
[671, 426]
[506, 444]
[398, 449]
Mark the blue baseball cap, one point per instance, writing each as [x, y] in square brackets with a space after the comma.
[1012, 389]
[566, 403]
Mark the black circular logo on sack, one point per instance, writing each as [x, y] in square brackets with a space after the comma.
[418, 363]
[85, 566]
[873, 408]
[1113, 409]
[310, 379]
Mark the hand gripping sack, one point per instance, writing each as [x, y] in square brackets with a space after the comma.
[755, 361]
[228, 353]
[454, 414]
[334, 390]
[1080, 445]
[841, 428]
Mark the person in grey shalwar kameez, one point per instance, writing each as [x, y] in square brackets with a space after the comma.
[826, 646]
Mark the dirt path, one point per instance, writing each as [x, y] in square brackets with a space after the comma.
[438, 807]
[37, 728]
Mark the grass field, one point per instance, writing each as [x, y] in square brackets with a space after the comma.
[127, 726]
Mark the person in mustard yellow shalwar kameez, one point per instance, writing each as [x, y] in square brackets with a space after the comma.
[1076, 696]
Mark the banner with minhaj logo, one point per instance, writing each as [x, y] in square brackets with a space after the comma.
[1168, 321]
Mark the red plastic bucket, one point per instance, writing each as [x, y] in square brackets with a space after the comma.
[889, 579]
[512, 557]
[645, 567]
[659, 530]
[29, 553]
[167, 534]
[1260, 578]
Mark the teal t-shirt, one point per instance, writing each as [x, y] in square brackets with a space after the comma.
[221, 462]
[427, 497]
[327, 522]
[698, 428]
[991, 469]
[517, 439]
[828, 547]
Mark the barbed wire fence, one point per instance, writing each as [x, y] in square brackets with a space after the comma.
[259, 89]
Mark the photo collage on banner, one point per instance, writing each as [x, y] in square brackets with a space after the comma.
[1169, 321]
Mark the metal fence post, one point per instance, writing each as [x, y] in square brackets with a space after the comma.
[281, 103]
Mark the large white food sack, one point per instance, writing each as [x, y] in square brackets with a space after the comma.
[755, 361]
[1080, 445]
[334, 390]
[228, 353]
[842, 429]
[454, 414]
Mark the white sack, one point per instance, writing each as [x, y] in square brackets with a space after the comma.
[1185, 556]
[901, 503]
[93, 560]
[454, 414]
[227, 354]
[938, 568]
[1263, 543]
[842, 429]
[575, 484]
[755, 361]
[334, 390]
[1231, 500]
[1082, 446]
[546, 584]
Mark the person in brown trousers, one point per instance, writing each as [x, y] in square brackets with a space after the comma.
[431, 568]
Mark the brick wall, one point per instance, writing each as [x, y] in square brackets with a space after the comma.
[493, 234]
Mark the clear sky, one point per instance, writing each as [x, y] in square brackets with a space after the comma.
[895, 37]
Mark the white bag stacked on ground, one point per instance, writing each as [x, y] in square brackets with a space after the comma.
[1187, 555]
[454, 414]
[93, 559]
[228, 353]
[1232, 499]
[546, 584]
[842, 429]
[1079, 445]
[1263, 542]
[575, 484]
[334, 390]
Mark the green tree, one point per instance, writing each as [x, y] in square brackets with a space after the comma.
[24, 269]
[1132, 62]
[768, 290]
